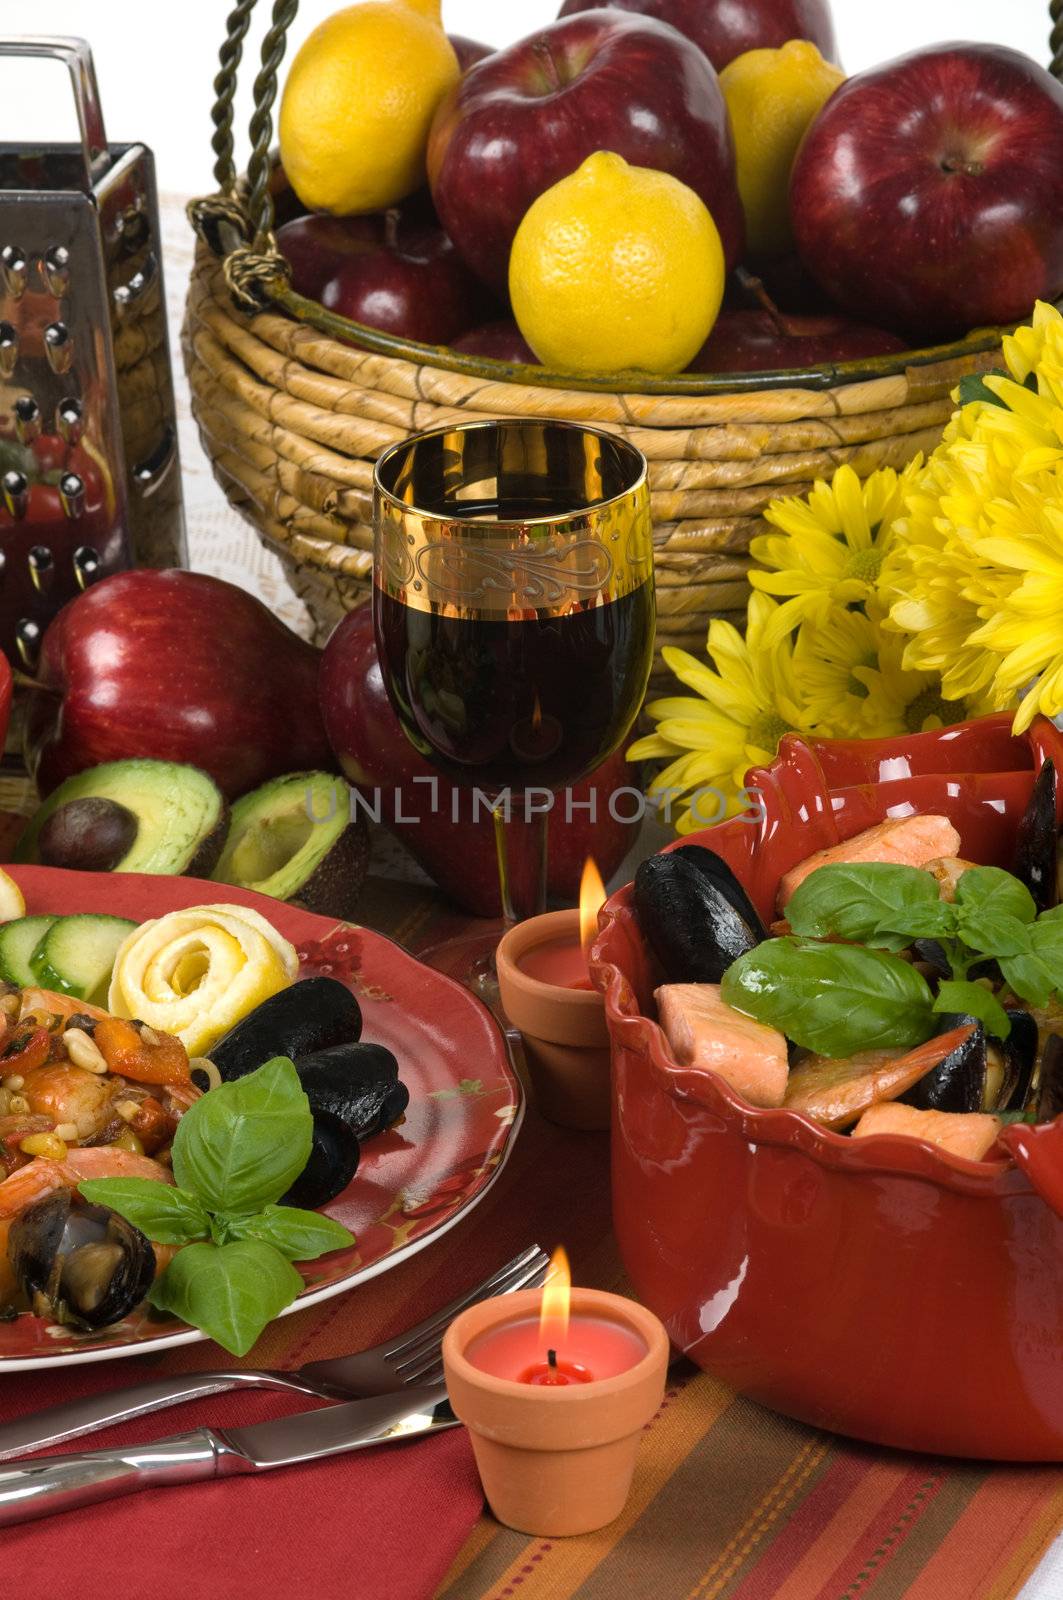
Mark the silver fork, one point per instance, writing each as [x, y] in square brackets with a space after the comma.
[409, 1360]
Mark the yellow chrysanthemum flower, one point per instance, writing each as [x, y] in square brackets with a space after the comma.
[741, 711]
[832, 545]
[830, 658]
[1026, 630]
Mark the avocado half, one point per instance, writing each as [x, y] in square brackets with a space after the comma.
[130, 816]
[297, 839]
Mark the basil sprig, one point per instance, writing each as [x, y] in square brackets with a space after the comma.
[236, 1151]
[838, 998]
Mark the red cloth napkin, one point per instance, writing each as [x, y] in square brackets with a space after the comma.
[384, 1524]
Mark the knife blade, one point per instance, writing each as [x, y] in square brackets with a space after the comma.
[61, 1483]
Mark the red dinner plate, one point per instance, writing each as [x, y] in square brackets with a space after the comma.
[413, 1183]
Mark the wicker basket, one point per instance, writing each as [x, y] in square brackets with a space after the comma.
[294, 404]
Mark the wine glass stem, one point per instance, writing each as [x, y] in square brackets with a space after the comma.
[523, 893]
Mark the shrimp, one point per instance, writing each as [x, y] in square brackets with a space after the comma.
[69, 1094]
[48, 1002]
[41, 1176]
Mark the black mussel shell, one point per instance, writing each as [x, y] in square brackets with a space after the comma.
[1050, 1088]
[332, 1164]
[78, 1263]
[1037, 841]
[964, 1082]
[311, 1015]
[958, 1082]
[696, 916]
[1019, 1051]
[354, 1093]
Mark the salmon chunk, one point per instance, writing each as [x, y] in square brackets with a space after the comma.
[705, 1033]
[900, 842]
[971, 1133]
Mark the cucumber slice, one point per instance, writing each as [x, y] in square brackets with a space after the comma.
[76, 954]
[18, 941]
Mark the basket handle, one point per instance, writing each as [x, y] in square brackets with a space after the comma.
[256, 263]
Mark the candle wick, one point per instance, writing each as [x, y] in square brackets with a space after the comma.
[551, 1358]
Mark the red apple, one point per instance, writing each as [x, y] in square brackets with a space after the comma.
[178, 666]
[765, 341]
[502, 341]
[727, 28]
[469, 51]
[387, 271]
[528, 116]
[375, 755]
[928, 193]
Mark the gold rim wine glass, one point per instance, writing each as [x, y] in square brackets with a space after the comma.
[514, 614]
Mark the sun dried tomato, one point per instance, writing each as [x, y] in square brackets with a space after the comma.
[130, 1055]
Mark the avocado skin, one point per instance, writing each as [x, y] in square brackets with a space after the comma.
[208, 855]
[311, 1016]
[334, 888]
[333, 885]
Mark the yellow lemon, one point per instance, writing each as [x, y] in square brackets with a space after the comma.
[12, 904]
[616, 267]
[359, 102]
[196, 973]
[773, 96]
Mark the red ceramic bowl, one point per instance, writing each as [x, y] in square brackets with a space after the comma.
[6, 686]
[882, 1287]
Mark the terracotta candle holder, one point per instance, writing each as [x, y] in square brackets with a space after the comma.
[561, 1017]
[556, 1460]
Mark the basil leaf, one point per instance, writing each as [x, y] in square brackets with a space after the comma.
[165, 1214]
[243, 1144]
[993, 892]
[994, 933]
[230, 1291]
[299, 1235]
[1029, 977]
[972, 1000]
[934, 920]
[834, 999]
[865, 903]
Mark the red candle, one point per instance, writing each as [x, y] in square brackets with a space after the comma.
[593, 1348]
[559, 962]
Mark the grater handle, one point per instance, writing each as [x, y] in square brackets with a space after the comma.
[77, 57]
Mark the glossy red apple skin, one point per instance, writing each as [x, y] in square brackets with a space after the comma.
[760, 341]
[179, 666]
[387, 271]
[725, 29]
[527, 116]
[375, 755]
[469, 51]
[502, 341]
[928, 194]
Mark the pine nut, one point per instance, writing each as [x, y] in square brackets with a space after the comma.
[18, 1105]
[15, 1081]
[48, 1145]
[67, 1131]
[127, 1109]
[149, 1036]
[83, 1051]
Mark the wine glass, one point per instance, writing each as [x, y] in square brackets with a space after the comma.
[514, 611]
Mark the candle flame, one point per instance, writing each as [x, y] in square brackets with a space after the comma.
[553, 1319]
[537, 714]
[592, 897]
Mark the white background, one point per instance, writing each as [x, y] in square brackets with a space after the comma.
[155, 60]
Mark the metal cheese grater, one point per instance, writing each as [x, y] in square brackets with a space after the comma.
[89, 473]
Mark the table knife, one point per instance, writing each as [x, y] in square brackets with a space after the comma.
[61, 1483]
